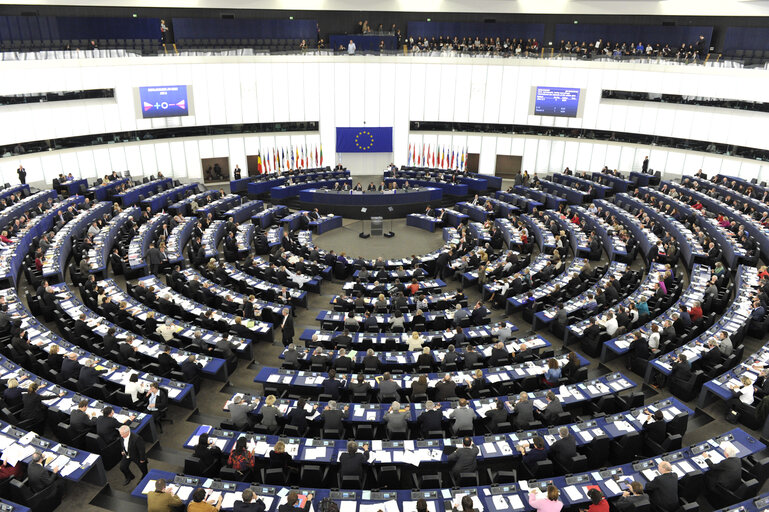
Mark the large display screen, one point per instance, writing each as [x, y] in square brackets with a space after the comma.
[165, 101]
[556, 101]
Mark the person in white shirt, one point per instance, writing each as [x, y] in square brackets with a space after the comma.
[654, 339]
[167, 329]
[133, 387]
[743, 393]
[609, 323]
[351, 48]
[415, 341]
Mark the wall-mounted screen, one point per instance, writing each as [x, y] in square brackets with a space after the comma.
[165, 101]
[556, 101]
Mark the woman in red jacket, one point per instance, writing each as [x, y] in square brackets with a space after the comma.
[598, 502]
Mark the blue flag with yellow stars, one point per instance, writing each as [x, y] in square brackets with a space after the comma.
[364, 140]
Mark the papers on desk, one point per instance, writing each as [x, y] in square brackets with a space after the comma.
[573, 493]
[387, 506]
[624, 426]
[412, 505]
[315, 453]
[17, 452]
[612, 486]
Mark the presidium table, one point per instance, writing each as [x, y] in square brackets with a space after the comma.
[387, 204]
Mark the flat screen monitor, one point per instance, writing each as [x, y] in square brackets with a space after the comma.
[557, 101]
[164, 101]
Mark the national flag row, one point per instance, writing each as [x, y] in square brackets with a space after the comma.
[440, 157]
[283, 159]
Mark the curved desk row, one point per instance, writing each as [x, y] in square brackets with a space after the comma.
[58, 252]
[349, 203]
[732, 251]
[757, 231]
[243, 212]
[106, 190]
[582, 184]
[182, 207]
[180, 393]
[690, 247]
[512, 497]
[12, 256]
[103, 242]
[160, 201]
[132, 195]
[550, 201]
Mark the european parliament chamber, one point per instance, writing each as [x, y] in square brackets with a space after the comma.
[278, 258]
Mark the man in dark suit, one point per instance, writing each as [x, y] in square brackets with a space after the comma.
[445, 389]
[81, 327]
[464, 459]
[89, 375]
[663, 490]
[431, 419]
[133, 452]
[166, 361]
[342, 362]
[550, 413]
[191, 369]
[496, 416]
[34, 410]
[479, 313]
[726, 473]
[247, 503]
[154, 259]
[654, 427]
[319, 359]
[523, 411]
[107, 426]
[371, 362]
[472, 356]
[287, 327]
[70, 367]
[79, 422]
[39, 478]
[333, 418]
[351, 462]
[331, 386]
[564, 448]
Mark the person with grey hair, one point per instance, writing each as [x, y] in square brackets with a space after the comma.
[726, 473]
[351, 462]
[89, 375]
[246, 503]
[239, 412]
[39, 478]
[564, 448]
[396, 419]
[431, 420]
[291, 357]
[200, 342]
[463, 417]
[663, 490]
[167, 329]
[133, 452]
[333, 418]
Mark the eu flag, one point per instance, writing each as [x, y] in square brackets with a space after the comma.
[364, 140]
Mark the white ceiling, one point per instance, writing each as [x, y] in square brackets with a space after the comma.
[575, 7]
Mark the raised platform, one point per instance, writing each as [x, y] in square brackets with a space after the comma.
[377, 204]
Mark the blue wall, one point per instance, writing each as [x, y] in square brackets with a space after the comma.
[744, 38]
[202, 28]
[467, 29]
[53, 27]
[674, 36]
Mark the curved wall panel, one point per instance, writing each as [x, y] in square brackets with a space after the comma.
[369, 91]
